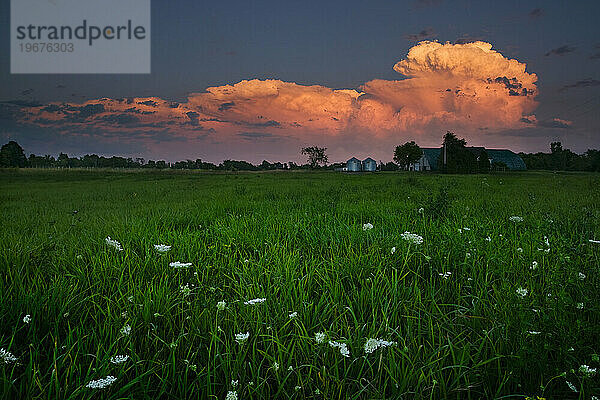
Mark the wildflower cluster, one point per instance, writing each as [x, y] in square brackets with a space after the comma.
[113, 243]
[101, 383]
[342, 347]
[373, 344]
[412, 238]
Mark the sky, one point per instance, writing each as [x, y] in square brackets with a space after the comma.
[259, 80]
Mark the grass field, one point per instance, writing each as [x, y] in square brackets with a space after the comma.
[485, 307]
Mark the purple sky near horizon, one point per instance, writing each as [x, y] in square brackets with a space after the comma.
[349, 75]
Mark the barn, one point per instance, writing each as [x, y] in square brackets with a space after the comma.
[499, 157]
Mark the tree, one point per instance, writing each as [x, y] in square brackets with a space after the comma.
[407, 154]
[455, 158]
[12, 155]
[316, 155]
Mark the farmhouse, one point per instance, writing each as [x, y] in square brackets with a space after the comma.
[499, 158]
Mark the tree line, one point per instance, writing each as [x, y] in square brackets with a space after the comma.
[459, 159]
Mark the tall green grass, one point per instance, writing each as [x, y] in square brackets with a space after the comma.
[297, 239]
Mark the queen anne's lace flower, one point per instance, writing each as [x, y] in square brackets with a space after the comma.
[221, 305]
[522, 292]
[178, 265]
[516, 219]
[342, 347]
[119, 359]
[587, 371]
[255, 301]
[367, 226]
[320, 337]
[6, 357]
[27, 319]
[113, 243]
[242, 337]
[101, 383]
[126, 330]
[231, 395]
[162, 248]
[373, 344]
[412, 238]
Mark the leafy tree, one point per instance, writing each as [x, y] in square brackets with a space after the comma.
[407, 154]
[12, 155]
[316, 155]
[459, 159]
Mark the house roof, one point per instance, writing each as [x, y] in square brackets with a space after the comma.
[369, 159]
[512, 160]
[353, 159]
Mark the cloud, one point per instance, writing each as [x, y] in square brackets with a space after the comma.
[561, 51]
[536, 13]
[468, 87]
[424, 34]
[583, 83]
[549, 123]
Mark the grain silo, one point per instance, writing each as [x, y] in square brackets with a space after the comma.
[368, 164]
[354, 165]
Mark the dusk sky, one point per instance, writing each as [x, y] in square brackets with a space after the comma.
[254, 80]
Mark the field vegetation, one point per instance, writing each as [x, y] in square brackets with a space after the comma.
[284, 285]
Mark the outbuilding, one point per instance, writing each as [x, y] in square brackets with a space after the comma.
[368, 164]
[353, 165]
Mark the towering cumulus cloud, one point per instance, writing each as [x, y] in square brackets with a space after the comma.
[446, 86]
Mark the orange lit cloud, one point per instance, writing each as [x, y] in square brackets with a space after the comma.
[467, 87]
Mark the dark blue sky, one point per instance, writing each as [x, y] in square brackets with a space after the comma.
[340, 44]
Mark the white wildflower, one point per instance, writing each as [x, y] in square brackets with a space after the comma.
[101, 383]
[276, 366]
[293, 315]
[421, 210]
[412, 238]
[488, 239]
[580, 306]
[367, 227]
[6, 357]
[515, 219]
[297, 388]
[178, 265]
[594, 241]
[393, 250]
[242, 337]
[320, 337]
[231, 395]
[186, 289]
[27, 319]
[581, 276]
[221, 305]
[290, 368]
[459, 230]
[113, 243]
[373, 344]
[534, 332]
[468, 255]
[445, 275]
[519, 250]
[522, 292]
[119, 359]
[342, 346]
[587, 371]
[466, 229]
[162, 248]
[255, 301]
[534, 265]
[126, 330]
[234, 383]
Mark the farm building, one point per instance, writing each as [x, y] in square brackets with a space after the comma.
[353, 165]
[429, 159]
[368, 164]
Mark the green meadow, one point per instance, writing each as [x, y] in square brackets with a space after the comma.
[485, 307]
